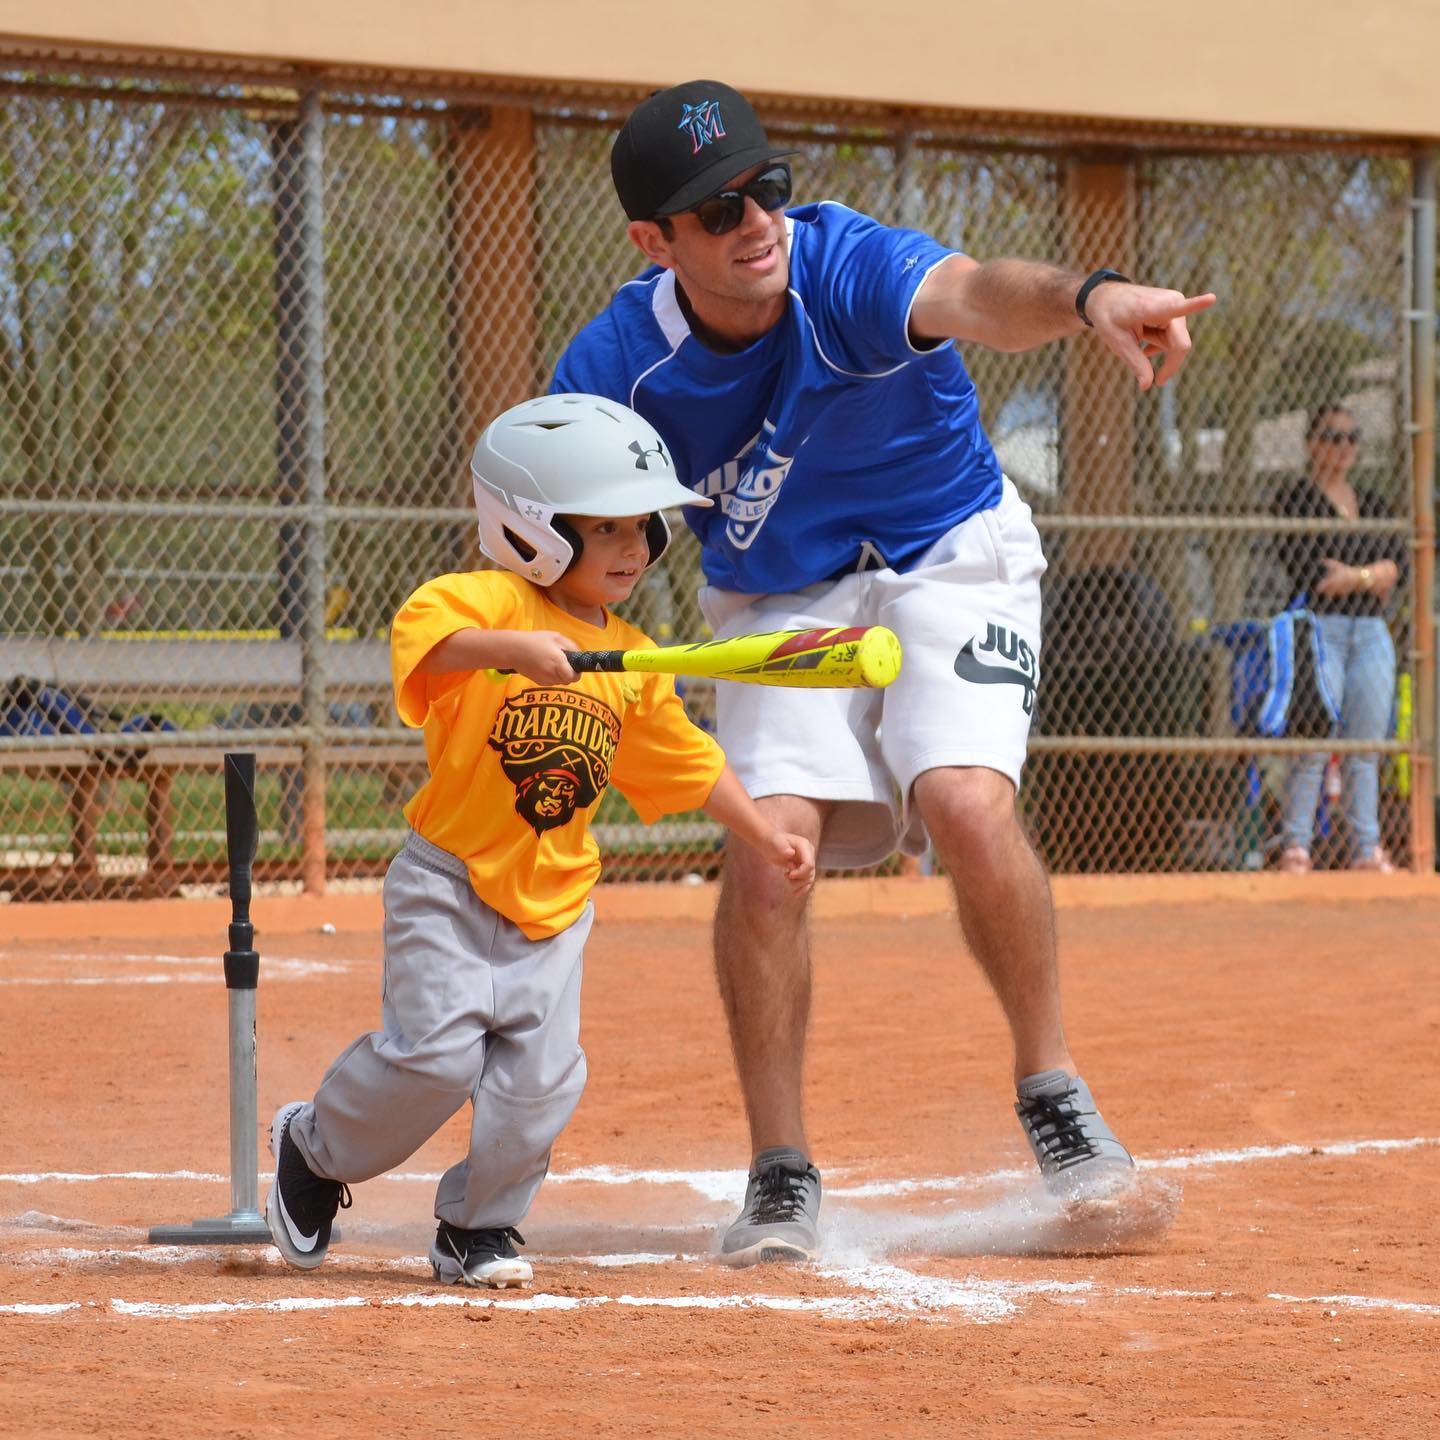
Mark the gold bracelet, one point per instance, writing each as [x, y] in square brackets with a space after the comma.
[1366, 579]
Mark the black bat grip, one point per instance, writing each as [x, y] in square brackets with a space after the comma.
[583, 660]
[242, 833]
[596, 659]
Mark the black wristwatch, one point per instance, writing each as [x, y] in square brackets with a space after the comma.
[1098, 278]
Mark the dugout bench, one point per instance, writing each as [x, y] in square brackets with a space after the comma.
[127, 674]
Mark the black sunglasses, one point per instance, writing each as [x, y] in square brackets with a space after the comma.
[1341, 437]
[720, 213]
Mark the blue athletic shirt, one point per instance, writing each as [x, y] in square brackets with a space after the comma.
[831, 443]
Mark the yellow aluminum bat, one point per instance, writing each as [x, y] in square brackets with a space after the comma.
[848, 658]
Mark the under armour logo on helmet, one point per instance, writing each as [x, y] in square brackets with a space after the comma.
[643, 461]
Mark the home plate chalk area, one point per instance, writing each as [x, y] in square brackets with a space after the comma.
[1272, 1268]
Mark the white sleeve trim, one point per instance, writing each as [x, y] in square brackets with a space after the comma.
[840, 369]
[944, 340]
[865, 374]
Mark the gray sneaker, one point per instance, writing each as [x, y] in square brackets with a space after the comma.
[1073, 1146]
[781, 1217]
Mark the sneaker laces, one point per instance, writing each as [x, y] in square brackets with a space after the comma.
[780, 1195]
[465, 1243]
[1059, 1130]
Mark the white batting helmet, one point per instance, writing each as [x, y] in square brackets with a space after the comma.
[568, 455]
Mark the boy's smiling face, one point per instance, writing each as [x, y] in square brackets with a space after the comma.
[613, 555]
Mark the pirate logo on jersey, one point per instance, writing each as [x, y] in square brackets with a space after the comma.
[555, 747]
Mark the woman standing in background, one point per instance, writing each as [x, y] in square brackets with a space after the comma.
[1348, 577]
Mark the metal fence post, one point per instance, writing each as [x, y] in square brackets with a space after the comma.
[312, 611]
[1422, 319]
[299, 229]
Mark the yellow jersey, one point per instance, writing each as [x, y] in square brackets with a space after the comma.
[517, 769]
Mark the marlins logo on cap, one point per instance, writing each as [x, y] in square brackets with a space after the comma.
[702, 123]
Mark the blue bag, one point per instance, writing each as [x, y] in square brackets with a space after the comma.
[37, 707]
[1297, 701]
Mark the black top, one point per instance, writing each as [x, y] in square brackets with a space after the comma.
[1301, 555]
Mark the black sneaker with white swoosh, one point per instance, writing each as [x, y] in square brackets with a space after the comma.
[300, 1208]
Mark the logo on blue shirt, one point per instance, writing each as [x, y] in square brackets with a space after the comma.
[702, 123]
[747, 487]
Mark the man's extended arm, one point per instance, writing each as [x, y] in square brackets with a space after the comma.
[1021, 304]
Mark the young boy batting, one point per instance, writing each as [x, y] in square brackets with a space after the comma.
[487, 905]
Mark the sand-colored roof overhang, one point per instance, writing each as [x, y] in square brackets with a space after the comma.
[1120, 70]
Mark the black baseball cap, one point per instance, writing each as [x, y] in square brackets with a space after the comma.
[682, 144]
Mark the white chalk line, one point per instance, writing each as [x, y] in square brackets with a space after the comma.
[887, 1291]
[149, 957]
[1358, 1302]
[891, 1294]
[175, 1255]
[84, 1177]
[273, 968]
[728, 1186]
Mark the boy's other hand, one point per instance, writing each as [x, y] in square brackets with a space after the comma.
[793, 854]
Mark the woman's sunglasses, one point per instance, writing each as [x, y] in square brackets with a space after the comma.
[1340, 437]
[720, 213]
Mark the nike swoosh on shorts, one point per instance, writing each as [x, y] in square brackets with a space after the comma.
[968, 667]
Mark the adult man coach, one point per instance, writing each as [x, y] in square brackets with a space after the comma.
[799, 368]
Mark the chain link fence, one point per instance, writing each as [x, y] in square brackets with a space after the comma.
[248, 337]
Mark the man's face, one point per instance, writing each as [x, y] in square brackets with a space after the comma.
[748, 265]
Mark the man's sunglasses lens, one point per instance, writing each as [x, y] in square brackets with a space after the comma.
[721, 213]
[771, 188]
[1341, 437]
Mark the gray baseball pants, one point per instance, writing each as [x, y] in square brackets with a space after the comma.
[471, 1010]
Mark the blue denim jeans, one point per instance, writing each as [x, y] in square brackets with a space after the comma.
[1360, 670]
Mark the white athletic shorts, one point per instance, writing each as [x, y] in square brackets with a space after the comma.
[968, 617]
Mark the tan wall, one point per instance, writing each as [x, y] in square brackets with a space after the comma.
[1321, 65]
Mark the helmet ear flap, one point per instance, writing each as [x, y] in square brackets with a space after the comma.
[568, 533]
[657, 535]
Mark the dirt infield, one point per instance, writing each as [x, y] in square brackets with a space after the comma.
[1272, 1060]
